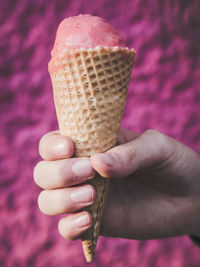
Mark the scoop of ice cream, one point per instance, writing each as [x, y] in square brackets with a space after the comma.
[85, 31]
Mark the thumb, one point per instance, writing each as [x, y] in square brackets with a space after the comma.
[149, 149]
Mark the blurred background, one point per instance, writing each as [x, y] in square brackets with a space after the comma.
[164, 94]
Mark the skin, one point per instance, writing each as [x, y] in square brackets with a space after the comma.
[154, 186]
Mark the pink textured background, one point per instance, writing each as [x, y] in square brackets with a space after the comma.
[164, 94]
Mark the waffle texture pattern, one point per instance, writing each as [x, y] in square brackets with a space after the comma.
[90, 88]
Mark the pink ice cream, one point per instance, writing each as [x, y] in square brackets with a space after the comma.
[85, 31]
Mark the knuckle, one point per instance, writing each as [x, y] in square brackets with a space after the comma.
[60, 228]
[45, 144]
[42, 143]
[36, 172]
[155, 136]
[42, 201]
[65, 229]
[52, 202]
[45, 137]
[162, 144]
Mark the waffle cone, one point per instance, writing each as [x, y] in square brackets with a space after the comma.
[90, 88]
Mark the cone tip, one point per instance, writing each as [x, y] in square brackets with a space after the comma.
[89, 258]
[88, 250]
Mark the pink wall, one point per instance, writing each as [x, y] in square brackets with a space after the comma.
[164, 94]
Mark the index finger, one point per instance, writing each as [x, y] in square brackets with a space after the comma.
[54, 146]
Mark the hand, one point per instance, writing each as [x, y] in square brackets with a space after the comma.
[153, 193]
[58, 174]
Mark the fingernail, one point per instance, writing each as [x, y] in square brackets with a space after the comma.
[105, 158]
[82, 220]
[82, 195]
[83, 169]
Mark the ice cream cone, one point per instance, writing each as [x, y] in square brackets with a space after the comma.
[90, 88]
